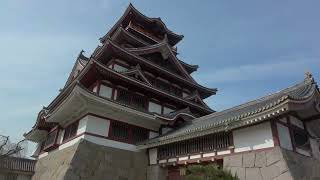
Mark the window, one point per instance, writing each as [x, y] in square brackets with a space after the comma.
[293, 136]
[154, 107]
[105, 91]
[301, 140]
[208, 143]
[51, 140]
[167, 110]
[138, 101]
[123, 96]
[135, 100]
[127, 133]
[120, 131]
[70, 131]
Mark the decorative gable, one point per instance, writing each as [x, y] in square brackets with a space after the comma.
[137, 74]
[195, 97]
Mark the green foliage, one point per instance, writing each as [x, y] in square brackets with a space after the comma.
[208, 172]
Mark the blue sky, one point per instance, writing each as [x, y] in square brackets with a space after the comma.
[246, 49]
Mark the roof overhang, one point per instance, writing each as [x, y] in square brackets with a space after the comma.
[81, 102]
[216, 127]
[304, 107]
[132, 12]
[36, 135]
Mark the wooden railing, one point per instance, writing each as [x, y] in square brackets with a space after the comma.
[17, 164]
[207, 143]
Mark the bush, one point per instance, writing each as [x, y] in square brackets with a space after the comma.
[208, 172]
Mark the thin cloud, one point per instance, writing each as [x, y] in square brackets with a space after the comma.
[251, 72]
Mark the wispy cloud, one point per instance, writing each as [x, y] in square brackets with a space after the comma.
[283, 67]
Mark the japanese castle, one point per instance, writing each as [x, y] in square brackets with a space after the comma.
[132, 111]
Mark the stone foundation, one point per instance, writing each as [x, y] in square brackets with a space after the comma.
[89, 161]
[273, 164]
[156, 172]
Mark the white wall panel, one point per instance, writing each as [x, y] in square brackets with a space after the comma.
[284, 136]
[98, 126]
[153, 155]
[253, 137]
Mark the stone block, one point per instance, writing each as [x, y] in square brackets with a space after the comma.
[274, 156]
[284, 176]
[270, 172]
[233, 161]
[260, 159]
[282, 166]
[239, 171]
[253, 174]
[248, 160]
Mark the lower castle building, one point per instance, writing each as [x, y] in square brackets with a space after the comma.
[132, 111]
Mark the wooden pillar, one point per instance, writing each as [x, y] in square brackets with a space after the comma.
[275, 134]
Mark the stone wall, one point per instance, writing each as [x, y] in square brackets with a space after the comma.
[88, 161]
[302, 167]
[155, 172]
[54, 165]
[5, 176]
[273, 164]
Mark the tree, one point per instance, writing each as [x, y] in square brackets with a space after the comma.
[10, 149]
[208, 172]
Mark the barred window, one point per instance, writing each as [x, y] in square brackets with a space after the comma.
[51, 139]
[127, 133]
[70, 131]
[202, 144]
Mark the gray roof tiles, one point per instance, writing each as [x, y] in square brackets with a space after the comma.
[299, 91]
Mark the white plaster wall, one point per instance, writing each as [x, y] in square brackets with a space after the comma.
[253, 137]
[60, 136]
[82, 125]
[195, 156]
[153, 154]
[111, 143]
[284, 137]
[70, 143]
[98, 126]
[43, 155]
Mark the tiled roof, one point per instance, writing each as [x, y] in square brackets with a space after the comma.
[298, 92]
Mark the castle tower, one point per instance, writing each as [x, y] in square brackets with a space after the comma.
[131, 89]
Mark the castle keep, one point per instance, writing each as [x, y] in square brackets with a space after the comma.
[132, 111]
